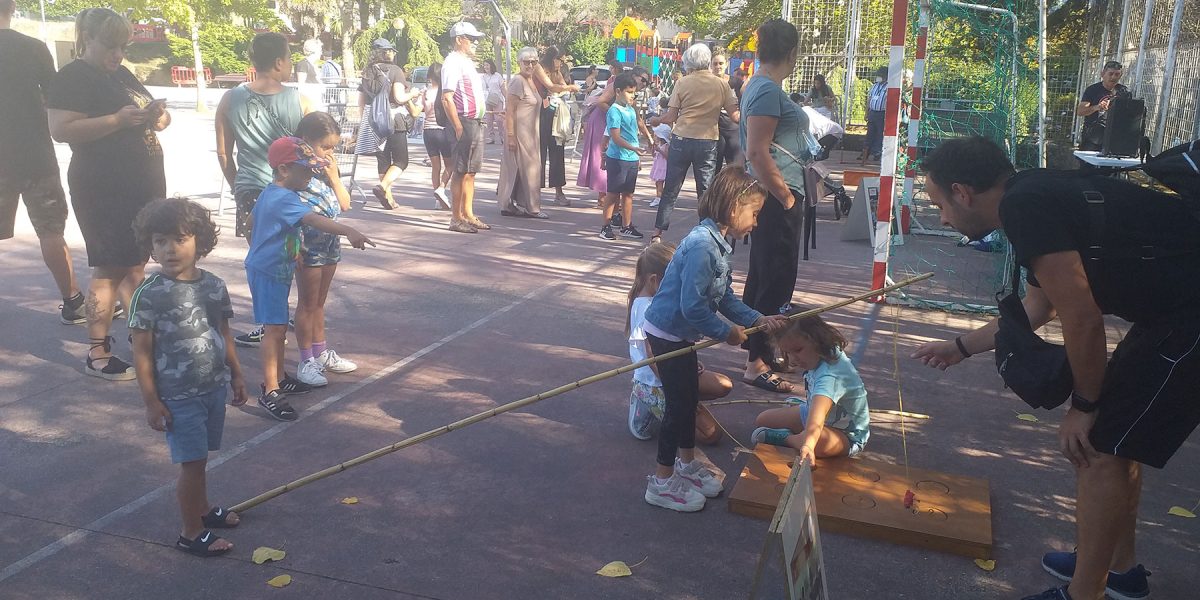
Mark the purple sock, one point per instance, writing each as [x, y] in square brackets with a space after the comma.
[318, 348]
[305, 354]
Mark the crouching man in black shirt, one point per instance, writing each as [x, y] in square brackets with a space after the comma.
[1137, 407]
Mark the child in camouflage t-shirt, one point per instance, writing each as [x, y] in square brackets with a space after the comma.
[184, 357]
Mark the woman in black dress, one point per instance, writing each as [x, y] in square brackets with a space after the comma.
[109, 119]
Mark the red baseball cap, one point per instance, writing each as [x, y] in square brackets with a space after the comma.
[288, 150]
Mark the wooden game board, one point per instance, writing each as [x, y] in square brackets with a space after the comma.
[952, 513]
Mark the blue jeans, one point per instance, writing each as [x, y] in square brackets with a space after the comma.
[701, 156]
[874, 142]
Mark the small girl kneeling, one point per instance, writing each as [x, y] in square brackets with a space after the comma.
[834, 392]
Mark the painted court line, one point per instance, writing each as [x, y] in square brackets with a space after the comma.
[79, 534]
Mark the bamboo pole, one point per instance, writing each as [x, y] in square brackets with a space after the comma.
[428, 435]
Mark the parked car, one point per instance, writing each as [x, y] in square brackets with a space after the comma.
[579, 74]
[419, 78]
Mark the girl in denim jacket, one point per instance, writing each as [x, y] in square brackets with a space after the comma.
[694, 289]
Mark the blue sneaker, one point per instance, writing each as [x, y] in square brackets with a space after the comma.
[1058, 593]
[1130, 585]
[775, 437]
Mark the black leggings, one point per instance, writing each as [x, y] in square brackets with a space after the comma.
[774, 260]
[556, 175]
[681, 385]
[394, 153]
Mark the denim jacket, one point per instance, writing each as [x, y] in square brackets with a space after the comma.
[696, 286]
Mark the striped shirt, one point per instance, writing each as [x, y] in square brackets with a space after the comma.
[877, 97]
[460, 76]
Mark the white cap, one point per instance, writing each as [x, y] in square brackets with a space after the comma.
[465, 28]
[662, 131]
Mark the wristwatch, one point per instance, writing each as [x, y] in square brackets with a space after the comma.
[1082, 404]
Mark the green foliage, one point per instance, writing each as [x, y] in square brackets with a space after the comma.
[59, 9]
[223, 46]
[590, 47]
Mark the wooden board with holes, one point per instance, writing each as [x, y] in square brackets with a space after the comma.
[952, 513]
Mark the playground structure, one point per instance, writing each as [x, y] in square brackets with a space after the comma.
[958, 69]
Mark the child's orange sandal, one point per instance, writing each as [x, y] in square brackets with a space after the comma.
[201, 546]
[217, 518]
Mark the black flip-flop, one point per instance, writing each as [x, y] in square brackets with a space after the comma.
[216, 519]
[201, 546]
[769, 381]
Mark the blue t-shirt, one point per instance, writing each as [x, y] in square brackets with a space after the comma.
[625, 119]
[762, 97]
[839, 381]
[275, 239]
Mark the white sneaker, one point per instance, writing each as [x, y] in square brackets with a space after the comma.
[676, 493]
[332, 362]
[310, 373]
[655, 202]
[641, 419]
[440, 193]
[700, 477]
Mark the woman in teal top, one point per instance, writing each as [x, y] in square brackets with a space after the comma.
[770, 117]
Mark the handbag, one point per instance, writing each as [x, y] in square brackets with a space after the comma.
[1037, 371]
[793, 156]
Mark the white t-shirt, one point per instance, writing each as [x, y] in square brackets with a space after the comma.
[638, 347]
[460, 76]
[820, 125]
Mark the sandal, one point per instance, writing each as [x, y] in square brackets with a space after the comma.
[201, 546]
[656, 239]
[771, 382]
[217, 518]
[114, 368]
[384, 197]
[478, 224]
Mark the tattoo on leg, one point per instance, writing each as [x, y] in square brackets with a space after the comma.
[92, 308]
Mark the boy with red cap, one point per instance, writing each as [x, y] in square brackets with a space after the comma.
[271, 262]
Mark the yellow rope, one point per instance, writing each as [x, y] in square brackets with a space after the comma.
[899, 392]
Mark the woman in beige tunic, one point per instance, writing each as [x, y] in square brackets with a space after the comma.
[521, 169]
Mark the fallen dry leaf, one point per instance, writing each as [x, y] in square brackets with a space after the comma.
[350, 500]
[615, 569]
[986, 565]
[280, 581]
[1180, 511]
[262, 554]
[1028, 417]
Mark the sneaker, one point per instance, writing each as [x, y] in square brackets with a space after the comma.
[290, 385]
[640, 419]
[617, 219]
[1059, 593]
[774, 437]
[251, 339]
[277, 406]
[334, 363]
[309, 373]
[631, 232]
[118, 311]
[1130, 585]
[676, 493]
[71, 311]
[700, 477]
[441, 197]
[606, 233]
[114, 369]
[655, 202]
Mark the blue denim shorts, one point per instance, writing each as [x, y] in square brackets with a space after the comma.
[856, 446]
[622, 175]
[270, 297]
[196, 425]
[320, 248]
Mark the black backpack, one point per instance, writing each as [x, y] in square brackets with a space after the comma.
[1177, 168]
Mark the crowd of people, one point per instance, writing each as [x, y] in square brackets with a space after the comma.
[275, 152]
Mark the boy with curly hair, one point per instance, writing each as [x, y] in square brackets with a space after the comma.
[184, 356]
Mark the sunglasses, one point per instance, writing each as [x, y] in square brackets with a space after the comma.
[529, 62]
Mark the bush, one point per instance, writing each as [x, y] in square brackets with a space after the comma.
[589, 48]
[223, 47]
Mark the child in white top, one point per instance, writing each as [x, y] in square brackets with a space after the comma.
[658, 170]
[647, 402]
[835, 392]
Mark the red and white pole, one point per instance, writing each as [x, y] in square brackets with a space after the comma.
[914, 124]
[891, 130]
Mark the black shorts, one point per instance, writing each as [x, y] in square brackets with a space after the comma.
[394, 153]
[468, 149]
[1150, 402]
[622, 175]
[439, 142]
